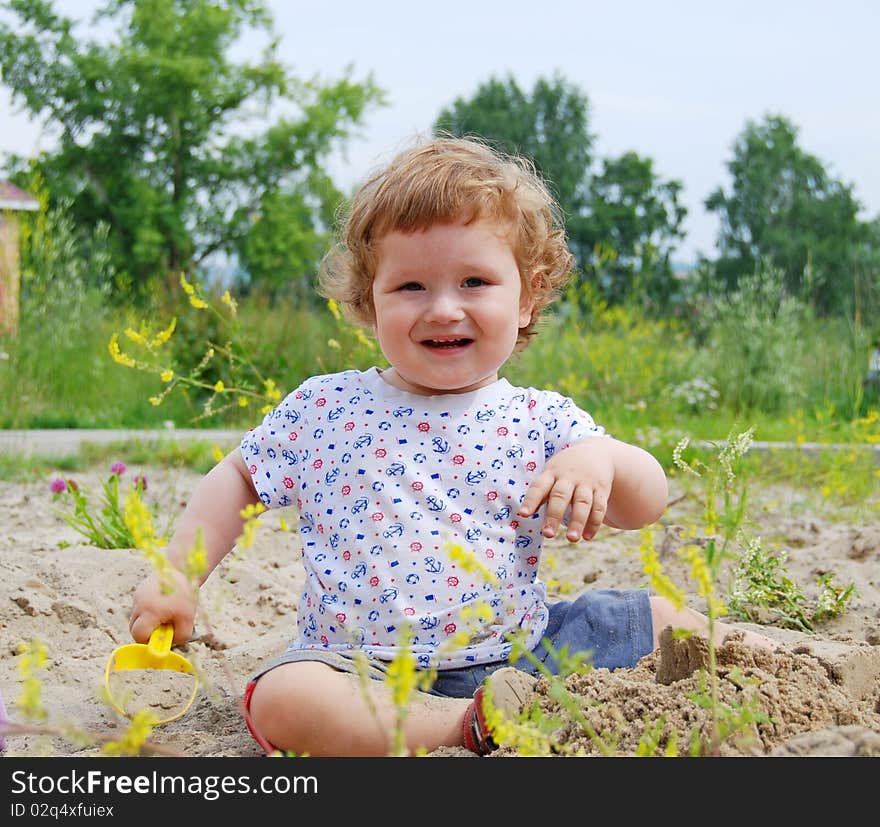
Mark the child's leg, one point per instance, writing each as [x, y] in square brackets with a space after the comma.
[666, 614]
[310, 708]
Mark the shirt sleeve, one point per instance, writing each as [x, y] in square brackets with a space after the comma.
[564, 423]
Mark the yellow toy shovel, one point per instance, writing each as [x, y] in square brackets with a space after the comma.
[150, 675]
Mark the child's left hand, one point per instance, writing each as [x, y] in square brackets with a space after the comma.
[579, 476]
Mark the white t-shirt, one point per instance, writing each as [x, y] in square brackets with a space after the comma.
[385, 482]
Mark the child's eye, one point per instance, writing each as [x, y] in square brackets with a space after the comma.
[411, 285]
[474, 281]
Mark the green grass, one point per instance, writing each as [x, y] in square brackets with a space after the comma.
[195, 455]
[646, 380]
[838, 484]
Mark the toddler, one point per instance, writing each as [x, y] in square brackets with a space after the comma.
[424, 490]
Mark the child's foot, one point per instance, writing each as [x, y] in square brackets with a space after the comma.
[510, 689]
[762, 641]
[748, 637]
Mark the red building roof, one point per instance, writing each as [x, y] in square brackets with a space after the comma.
[13, 198]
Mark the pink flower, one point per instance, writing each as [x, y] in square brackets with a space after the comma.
[140, 481]
[58, 485]
[117, 468]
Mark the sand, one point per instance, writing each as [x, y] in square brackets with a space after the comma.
[818, 695]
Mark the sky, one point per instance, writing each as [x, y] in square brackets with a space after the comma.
[676, 81]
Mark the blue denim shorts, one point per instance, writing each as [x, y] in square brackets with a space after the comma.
[613, 626]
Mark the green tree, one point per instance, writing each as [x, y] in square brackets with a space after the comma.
[279, 252]
[171, 142]
[783, 206]
[639, 218]
[623, 223]
[866, 279]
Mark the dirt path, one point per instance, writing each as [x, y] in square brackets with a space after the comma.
[62, 442]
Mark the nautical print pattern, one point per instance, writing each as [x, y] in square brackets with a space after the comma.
[385, 482]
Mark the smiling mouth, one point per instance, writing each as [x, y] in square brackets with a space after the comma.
[441, 344]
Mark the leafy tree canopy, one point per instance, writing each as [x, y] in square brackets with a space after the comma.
[630, 229]
[783, 206]
[167, 139]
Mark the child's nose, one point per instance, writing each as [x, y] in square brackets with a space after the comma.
[444, 308]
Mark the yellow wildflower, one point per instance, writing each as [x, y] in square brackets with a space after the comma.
[138, 521]
[271, 390]
[136, 337]
[117, 355]
[130, 742]
[401, 676]
[219, 387]
[166, 375]
[249, 529]
[653, 568]
[702, 575]
[468, 562]
[195, 563]
[229, 302]
[362, 338]
[34, 655]
[164, 335]
[479, 610]
[251, 511]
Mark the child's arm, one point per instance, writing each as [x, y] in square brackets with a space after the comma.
[603, 480]
[215, 508]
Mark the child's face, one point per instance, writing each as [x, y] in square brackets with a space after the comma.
[449, 305]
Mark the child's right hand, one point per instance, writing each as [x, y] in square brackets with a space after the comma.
[155, 605]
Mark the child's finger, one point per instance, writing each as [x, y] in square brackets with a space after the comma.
[142, 626]
[558, 502]
[596, 518]
[581, 505]
[538, 489]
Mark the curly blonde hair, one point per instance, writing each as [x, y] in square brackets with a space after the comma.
[447, 180]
